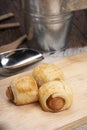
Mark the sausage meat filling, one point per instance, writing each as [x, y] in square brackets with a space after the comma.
[9, 93]
[56, 104]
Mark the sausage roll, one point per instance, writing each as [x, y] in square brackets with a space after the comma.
[23, 90]
[55, 96]
[46, 72]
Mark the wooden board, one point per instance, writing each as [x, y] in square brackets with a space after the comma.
[32, 117]
[74, 5]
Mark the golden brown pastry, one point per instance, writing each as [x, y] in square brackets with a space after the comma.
[23, 90]
[47, 72]
[55, 96]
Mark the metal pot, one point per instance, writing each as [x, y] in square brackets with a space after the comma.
[47, 26]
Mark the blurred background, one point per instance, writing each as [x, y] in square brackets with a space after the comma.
[78, 35]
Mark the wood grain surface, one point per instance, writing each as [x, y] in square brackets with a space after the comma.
[73, 5]
[9, 35]
[32, 117]
[13, 45]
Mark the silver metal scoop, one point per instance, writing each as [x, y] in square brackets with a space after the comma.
[13, 60]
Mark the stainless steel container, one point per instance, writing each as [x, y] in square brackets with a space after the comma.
[47, 26]
[14, 60]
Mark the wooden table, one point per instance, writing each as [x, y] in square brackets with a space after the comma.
[75, 73]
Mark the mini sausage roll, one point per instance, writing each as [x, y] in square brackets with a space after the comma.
[23, 90]
[47, 72]
[55, 96]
